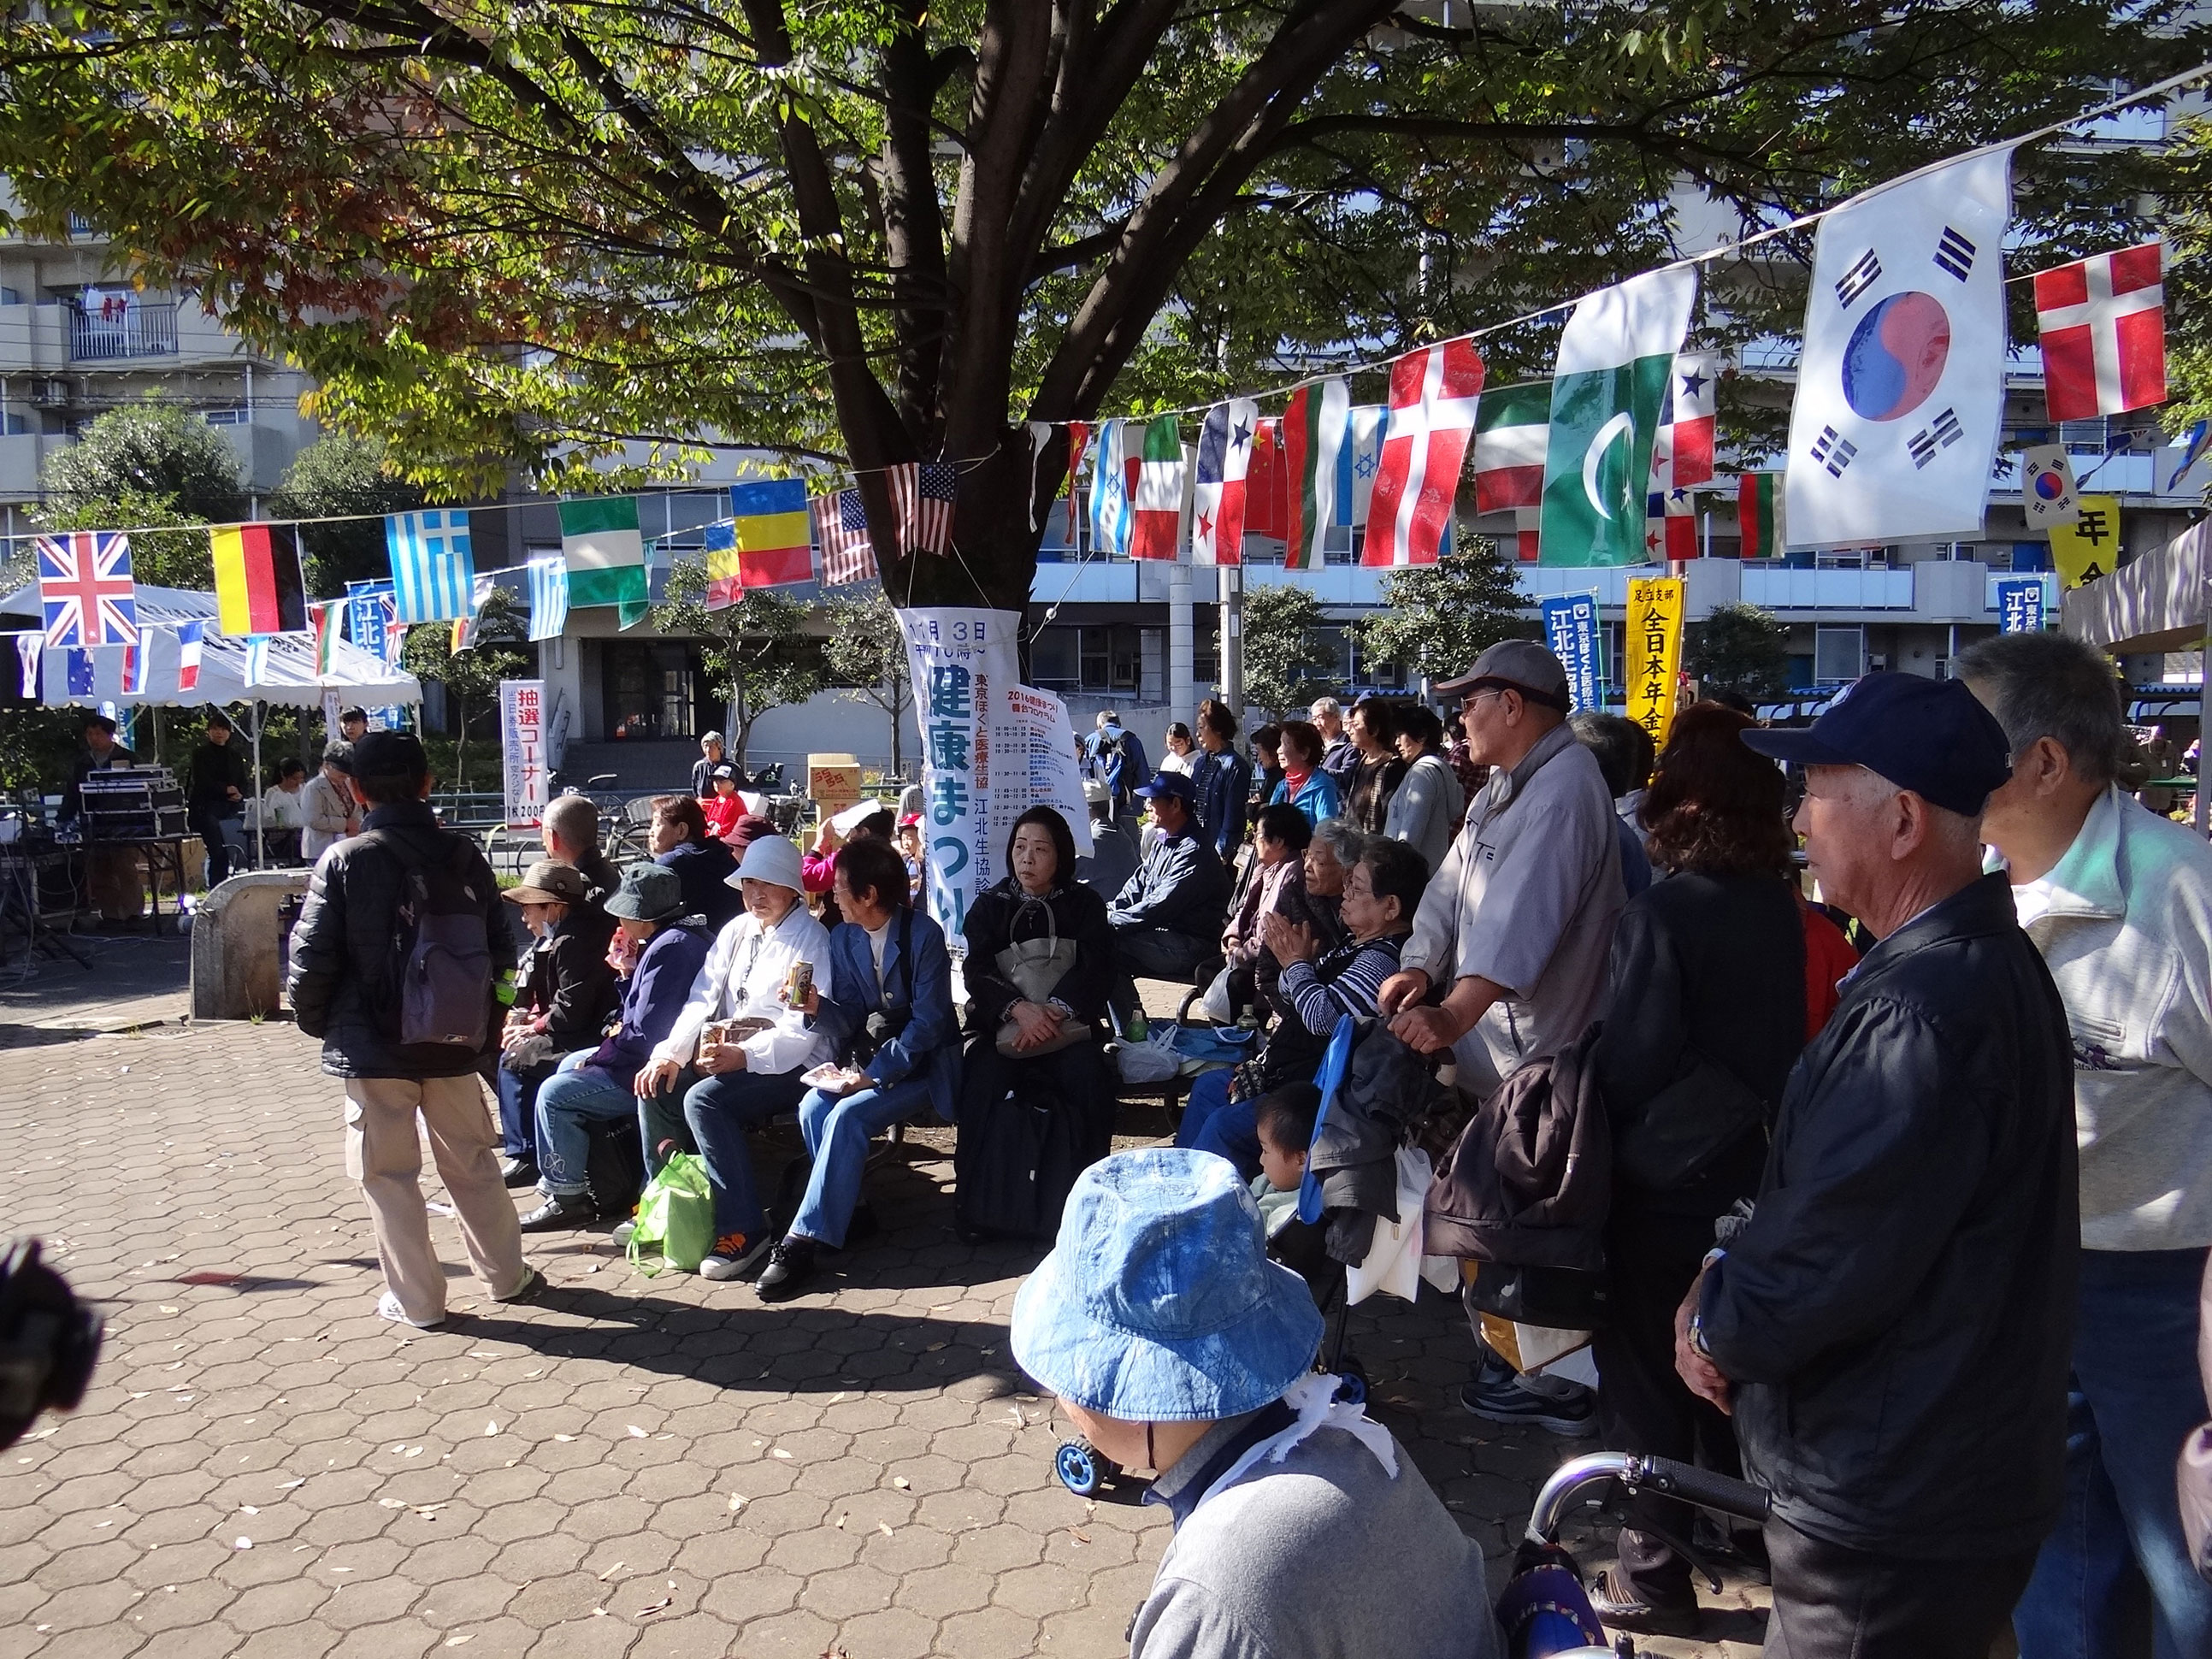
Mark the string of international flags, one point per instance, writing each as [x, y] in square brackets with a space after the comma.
[1897, 415]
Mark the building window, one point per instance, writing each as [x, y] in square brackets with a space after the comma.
[2083, 437]
[227, 417]
[1838, 655]
[1054, 660]
[651, 689]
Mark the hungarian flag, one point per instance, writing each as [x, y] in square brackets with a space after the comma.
[1433, 407]
[1683, 454]
[603, 550]
[1670, 524]
[1615, 355]
[323, 623]
[1158, 493]
[1512, 427]
[1316, 424]
[1218, 498]
[2103, 325]
[258, 586]
[1759, 515]
[1267, 484]
[774, 536]
[188, 635]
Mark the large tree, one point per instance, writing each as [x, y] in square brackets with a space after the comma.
[154, 462]
[1436, 619]
[873, 231]
[341, 477]
[756, 653]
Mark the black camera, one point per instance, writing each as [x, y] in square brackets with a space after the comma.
[48, 1341]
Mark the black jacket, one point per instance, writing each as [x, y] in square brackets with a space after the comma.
[567, 977]
[1705, 1016]
[998, 917]
[703, 871]
[1899, 1311]
[215, 769]
[342, 946]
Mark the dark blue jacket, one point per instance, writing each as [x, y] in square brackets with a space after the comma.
[658, 987]
[1180, 885]
[1224, 791]
[703, 869]
[919, 979]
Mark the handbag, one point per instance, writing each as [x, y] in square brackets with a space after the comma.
[1035, 968]
[676, 1217]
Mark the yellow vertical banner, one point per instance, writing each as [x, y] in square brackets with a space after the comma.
[1651, 648]
[2090, 546]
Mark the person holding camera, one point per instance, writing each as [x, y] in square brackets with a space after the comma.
[890, 1021]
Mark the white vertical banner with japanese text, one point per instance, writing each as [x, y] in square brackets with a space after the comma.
[992, 748]
[522, 750]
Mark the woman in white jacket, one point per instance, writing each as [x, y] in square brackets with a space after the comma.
[1426, 811]
[329, 808]
[754, 1071]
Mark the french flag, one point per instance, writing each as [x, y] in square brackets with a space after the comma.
[188, 654]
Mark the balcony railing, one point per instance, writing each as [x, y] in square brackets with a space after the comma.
[138, 328]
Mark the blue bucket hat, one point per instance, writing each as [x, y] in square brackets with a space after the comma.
[1158, 1304]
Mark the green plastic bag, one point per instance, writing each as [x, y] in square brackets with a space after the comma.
[675, 1219]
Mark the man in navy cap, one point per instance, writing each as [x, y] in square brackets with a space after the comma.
[1167, 918]
[1892, 1327]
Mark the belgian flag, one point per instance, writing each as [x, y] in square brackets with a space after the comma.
[258, 586]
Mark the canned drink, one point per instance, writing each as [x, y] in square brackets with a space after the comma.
[798, 982]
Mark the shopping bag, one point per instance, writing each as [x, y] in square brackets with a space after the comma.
[675, 1219]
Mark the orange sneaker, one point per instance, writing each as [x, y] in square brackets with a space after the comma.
[733, 1254]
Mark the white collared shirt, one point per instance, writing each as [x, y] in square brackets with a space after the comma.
[743, 979]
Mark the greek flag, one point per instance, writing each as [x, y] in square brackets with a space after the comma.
[256, 659]
[432, 572]
[549, 597]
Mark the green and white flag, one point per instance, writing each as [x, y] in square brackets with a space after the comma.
[603, 551]
[1607, 394]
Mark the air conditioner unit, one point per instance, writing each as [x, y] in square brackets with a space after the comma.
[50, 392]
[1877, 661]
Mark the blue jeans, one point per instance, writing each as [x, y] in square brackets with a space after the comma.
[1212, 1122]
[2135, 1395]
[719, 1109]
[837, 1128]
[565, 1100]
[518, 1107]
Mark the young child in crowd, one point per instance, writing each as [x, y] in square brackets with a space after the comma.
[1286, 1128]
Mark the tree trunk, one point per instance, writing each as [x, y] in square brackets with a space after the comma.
[994, 557]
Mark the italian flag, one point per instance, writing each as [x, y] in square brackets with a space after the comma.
[1158, 492]
[1512, 426]
[1759, 515]
[1316, 424]
[603, 552]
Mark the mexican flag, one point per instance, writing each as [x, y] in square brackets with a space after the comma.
[1159, 492]
[1607, 394]
[1759, 515]
[1316, 424]
[323, 623]
[603, 550]
[1512, 429]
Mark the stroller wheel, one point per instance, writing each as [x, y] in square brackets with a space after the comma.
[1081, 1467]
[1352, 1382]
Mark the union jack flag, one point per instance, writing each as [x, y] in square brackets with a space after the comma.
[921, 505]
[841, 525]
[86, 590]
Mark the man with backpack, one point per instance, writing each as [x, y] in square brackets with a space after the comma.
[1113, 755]
[393, 966]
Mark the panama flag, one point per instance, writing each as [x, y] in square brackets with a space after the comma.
[1432, 401]
[2103, 327]
[1759, 516]
[1316, 424]
[1683, 454]
[1358, 463]
[1225, 460]
[1512, 434]
[1900, 388]
[1110, 509]
[189, 636]
[1608, 392]
[603, 550]
[1670, 524]
[1158, 504]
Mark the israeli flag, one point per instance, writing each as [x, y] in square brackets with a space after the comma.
[1112, 513]
[1358, 463]
[433, 572]
[549, 597]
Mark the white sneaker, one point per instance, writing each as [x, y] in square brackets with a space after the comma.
[387, 1306]
[533, 1282]
[733, 1254]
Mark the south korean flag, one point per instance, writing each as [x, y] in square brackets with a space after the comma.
[1900, 391]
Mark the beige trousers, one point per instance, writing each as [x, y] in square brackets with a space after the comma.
[384, 1153]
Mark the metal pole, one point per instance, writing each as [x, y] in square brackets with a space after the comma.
[1231, 578]
[260, 829]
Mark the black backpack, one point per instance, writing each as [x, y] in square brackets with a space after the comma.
[439, 973]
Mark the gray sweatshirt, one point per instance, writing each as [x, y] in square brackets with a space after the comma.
[1324, 1554]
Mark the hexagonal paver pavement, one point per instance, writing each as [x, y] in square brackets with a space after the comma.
[631, 1467]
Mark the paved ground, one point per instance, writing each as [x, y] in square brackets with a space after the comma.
[126, 978]
[632, 1467]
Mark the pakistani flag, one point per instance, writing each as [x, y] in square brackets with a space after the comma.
[1607, 394]
[602, 548]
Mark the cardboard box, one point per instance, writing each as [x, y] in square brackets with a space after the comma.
[833, 781]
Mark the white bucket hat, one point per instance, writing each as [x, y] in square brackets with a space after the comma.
[771, 859]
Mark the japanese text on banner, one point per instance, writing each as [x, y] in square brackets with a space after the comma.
[1571, 630]
[522, 747]
[1651, 642]
[2020, 605]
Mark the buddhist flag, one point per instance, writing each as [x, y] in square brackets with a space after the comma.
[1225, 462]
[1759, 515]
[1159, 492]
[603, 550]
[323, 623]
[258, 586]
[776, 537]
[1433, 402]
[1316, 423]
[1512, 429]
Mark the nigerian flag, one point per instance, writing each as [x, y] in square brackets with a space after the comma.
[1615, 355]
[603, 550]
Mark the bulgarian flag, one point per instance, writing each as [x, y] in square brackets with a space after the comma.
[1158, 494]
[323, 623]
[1759, 515]
[603, 550]
[1512, 426]
[1316, 425]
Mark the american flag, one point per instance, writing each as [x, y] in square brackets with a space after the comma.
[841, 525]
[85, 588]
[921, 505]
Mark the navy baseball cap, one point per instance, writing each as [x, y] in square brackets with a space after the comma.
[1932, 737]
[389, 755]
[1172, 783]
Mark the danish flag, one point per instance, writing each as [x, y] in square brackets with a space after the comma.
[2103, 325]
[85, 589]
[1432, 401]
